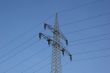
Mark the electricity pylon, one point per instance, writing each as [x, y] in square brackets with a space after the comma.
[57, 46]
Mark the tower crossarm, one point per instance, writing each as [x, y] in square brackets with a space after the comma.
[62, 49]
[68, 53]
[47, 26]
[47, 38]
[54, 42]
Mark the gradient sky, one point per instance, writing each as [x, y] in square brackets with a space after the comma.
[86, 24]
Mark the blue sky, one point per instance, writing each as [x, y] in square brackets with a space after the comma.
[86, 24]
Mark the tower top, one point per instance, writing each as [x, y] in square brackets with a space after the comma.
[56, 25]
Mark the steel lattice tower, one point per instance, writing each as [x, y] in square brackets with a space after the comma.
[57, 46]
[56, 53]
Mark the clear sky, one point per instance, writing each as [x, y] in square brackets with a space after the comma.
[86, 24]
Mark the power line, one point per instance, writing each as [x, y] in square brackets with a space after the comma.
[88, 18]
[99, 35]
[88, 28]
[78, 60]
[5, 60]
[71, 32]
[57, 48]
[67, 33]
[73, 54]
[30, 29]
[72, 42]
[85, 53]
[82, 59]
[89, 58]
[36, 64]
[22, 34]
[41, 68]
[105, 38]
[91, 51]
[26, 59]
[80, 6]
[25, 42]
[31, 57]
[85, 19]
